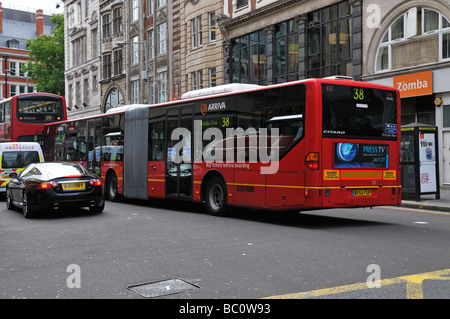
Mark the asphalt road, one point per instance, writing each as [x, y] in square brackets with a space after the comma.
[186, 254]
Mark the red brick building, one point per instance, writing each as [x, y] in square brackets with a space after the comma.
[16, 27]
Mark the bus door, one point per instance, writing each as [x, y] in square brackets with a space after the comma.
[178, 153]
[94, 146]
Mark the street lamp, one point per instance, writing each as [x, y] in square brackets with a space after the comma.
[6, 75]
[121, 44]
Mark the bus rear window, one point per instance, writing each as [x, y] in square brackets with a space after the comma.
[357, 112]
[40, 110]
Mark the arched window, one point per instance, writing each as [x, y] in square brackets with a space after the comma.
[113, 99]
[419, 36]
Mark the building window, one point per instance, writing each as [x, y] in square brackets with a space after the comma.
[135, 50]
[70, 99]
[330, 41]
[106, 19]
[118, 62]
[151, 47]
[163, 95]
[107, 66]
[212, 77]
[212, 27]
[419, 36]
[446, 109]
[193, 34]
[152, 91]
[13, 44]
[199, 31]
[113, 99]
[160, 3]
[94, 42]
[162, 38]
[117, 20]
[248, 59]
[286, 51]
[134, 92]
[21, 68]
[86, 92]
[194, 80]
[12, 68]
[149, 7]
[134, 9]
[200, 79]
[241, 3]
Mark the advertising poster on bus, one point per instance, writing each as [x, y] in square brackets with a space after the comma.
[358, 155]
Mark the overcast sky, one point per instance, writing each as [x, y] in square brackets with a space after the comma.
[49, 6]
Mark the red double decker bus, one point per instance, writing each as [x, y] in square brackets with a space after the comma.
[310, 144]
[23, 116]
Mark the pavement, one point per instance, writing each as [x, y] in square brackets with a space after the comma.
[430, 202]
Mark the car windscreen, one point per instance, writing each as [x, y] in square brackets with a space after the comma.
[64, 170]
[359, 112]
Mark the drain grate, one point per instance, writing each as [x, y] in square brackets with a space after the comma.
[162, 288]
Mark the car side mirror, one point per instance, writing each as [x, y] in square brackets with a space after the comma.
[13, 175]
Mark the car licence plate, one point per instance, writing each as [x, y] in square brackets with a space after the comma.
[73, 186]
[362, 192]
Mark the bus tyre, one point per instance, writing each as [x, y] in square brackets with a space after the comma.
[216, 197]
[111, 188]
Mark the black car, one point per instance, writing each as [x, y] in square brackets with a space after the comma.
[54, 185]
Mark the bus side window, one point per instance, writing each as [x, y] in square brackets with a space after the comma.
[156, 141]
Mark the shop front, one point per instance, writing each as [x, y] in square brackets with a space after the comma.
[425, 99]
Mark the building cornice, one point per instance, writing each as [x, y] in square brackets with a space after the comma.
[258, 13]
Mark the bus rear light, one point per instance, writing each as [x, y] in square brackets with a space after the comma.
[312, 160]
[306, 192]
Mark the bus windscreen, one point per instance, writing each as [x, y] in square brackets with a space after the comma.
[359, 112]
[40, 109]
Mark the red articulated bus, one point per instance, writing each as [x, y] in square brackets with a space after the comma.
[309, 144]
[23, 116]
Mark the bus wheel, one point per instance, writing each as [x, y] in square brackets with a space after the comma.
[216, 197]
[111, 188]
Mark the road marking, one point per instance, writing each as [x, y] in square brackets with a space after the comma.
[414, 288]
[426, 211]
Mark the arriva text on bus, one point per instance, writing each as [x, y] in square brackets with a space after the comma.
[222, 150]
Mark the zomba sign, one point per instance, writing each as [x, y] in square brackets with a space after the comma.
[415, 84]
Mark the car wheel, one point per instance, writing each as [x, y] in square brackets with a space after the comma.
[97, 209]
[111, 188]
[9, 202]
[216, 197]
[26, 209]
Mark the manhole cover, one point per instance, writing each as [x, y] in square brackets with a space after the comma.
[162, 288]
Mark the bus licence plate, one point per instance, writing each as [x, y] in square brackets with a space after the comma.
[73, 186]
[362, 192]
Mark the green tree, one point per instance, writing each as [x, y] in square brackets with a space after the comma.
[46, 65]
